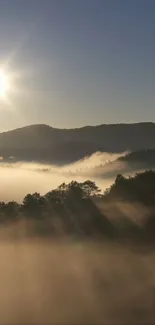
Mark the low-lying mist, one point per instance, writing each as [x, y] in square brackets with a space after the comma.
[18, 179]
[74, 279]
[46, 282]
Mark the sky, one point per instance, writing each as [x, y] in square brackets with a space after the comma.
[77, 62]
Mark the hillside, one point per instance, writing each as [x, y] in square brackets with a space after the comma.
[45, 143]
[141, 158]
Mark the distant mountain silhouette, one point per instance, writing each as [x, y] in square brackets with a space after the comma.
[47, 144]
[140, 159]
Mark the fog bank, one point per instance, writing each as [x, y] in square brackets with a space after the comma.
[45, 282]
[18, 179]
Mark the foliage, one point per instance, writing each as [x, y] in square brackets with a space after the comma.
[140, 187]
[73, 208]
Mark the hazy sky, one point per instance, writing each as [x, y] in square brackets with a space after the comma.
[79, 61]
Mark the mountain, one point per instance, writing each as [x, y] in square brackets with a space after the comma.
[140, 159]
[48, 144]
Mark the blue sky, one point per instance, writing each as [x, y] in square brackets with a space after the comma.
[81, 62]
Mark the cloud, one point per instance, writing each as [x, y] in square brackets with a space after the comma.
[18, 179]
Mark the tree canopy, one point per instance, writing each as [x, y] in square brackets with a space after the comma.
[73, 208]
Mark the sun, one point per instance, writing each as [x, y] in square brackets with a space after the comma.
[4, 84]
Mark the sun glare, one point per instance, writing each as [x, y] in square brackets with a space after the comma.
[4, 84]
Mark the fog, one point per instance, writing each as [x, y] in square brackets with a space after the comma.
[45, 282]
[66, 281]
[18, 179]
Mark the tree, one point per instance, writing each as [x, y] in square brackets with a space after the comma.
[2, 211]
[12, 210]
[79, 190]
[89, 189]
[34, 204]
[54, 196]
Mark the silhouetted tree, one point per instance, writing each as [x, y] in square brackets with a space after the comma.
[2, 211]
[34, 205]
[11, 210]
[71, 208]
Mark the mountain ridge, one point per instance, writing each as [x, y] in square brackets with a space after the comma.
[80, 127]
[41, 142]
